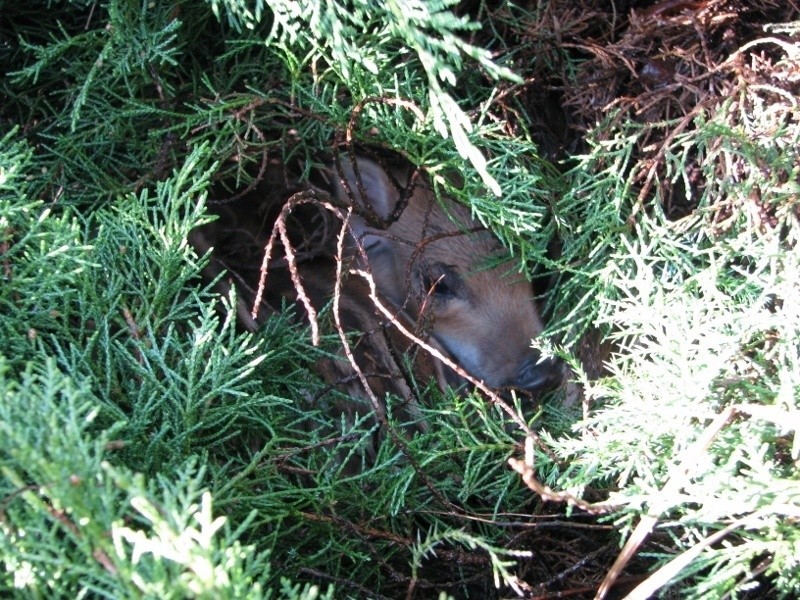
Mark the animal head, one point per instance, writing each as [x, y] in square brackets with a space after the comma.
[436, 262]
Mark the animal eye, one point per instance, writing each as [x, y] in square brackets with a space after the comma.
[443, 282]
[441, 288]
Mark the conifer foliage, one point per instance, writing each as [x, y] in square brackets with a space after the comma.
[641, 165]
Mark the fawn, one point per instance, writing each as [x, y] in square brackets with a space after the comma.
[432, 261]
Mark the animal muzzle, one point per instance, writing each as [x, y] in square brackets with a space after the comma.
[537, 374]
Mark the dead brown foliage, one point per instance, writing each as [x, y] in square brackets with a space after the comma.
[659, 64]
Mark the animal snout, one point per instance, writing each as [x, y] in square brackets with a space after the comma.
[537, 374]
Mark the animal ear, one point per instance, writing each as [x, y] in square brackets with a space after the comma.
[381, 194]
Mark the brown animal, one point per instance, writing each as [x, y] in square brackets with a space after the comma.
[436, 263]
[444, 277]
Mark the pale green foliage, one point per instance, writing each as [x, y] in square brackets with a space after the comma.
[706, 319]
[500, 568]
[340, 33]
[94, 528]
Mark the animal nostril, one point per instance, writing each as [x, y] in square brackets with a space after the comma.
[538, 375]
